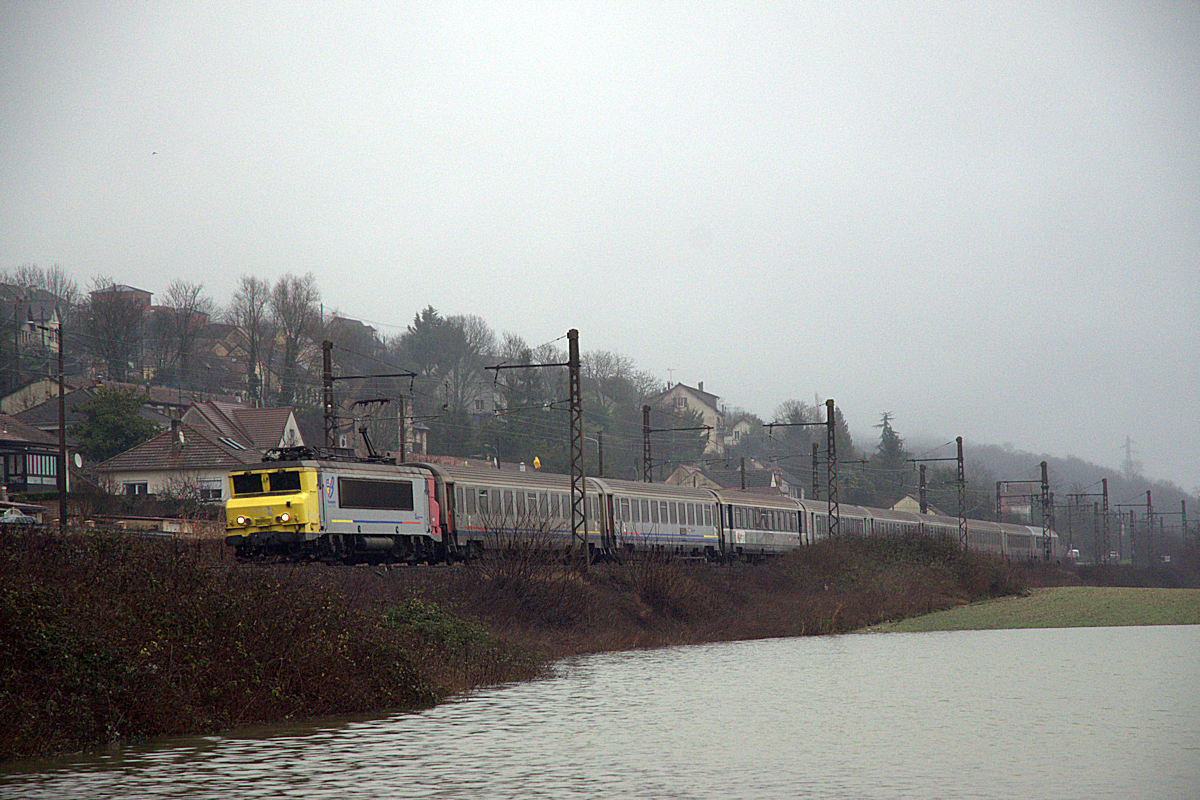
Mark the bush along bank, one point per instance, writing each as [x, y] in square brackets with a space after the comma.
[106, 636]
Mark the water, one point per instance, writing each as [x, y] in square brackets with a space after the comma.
[1059, 713]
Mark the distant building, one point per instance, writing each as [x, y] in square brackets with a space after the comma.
[130, 294]
[913, 505]
[756, 478]
[693, 398]
[182, 461]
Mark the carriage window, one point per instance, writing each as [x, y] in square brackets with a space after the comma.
[624, 512]
[637, 511]
[521, 504]
[469, 495]
[662, 512]
[362, 493]
[645, 511]
[508, 502]
[458, 497]
[708, 516]
[483, 501]
[691, 507]
[673, 508]
[543, 504]
[654, 511]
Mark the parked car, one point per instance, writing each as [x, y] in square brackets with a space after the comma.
[14, 517]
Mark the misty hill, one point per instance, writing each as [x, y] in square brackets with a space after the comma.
[1072, 475]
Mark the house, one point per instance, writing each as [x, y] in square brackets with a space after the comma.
[682, 397]
[913, 505]
[28, 457]
[183, 461]
[259, 429]
[743, 427]
[29, 327]
[38, 391]
[755, 478]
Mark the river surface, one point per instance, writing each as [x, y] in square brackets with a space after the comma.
[1046, 713]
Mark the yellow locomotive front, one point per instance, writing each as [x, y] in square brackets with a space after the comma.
[273, 510]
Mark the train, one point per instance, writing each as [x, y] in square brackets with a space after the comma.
[304, 507]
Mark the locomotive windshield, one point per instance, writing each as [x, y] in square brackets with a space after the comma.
[283, 481]
[249, 483]
[252, 483]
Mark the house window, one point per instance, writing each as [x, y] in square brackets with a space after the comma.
[135, 487]
[681, 402]
[210, 489]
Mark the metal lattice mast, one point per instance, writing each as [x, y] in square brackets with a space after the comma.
[646, 444]
[831, 469]
[816, 481]
[579, 531]
[1046, 511]
[962, 498]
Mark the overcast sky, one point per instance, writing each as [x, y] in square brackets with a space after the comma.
[984, 218]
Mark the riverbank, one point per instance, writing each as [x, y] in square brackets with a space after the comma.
[109, 636]
[1063, 607]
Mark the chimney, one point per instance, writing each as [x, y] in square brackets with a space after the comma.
[176, 432]
[700, 386]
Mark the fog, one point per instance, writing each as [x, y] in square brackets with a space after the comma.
[983, 218]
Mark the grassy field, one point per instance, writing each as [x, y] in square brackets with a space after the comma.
[1063, 607]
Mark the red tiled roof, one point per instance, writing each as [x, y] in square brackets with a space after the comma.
[265, 426]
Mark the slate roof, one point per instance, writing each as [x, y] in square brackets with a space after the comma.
[14, 430]
[45, 415]
[199, 450]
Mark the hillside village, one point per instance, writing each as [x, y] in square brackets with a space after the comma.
[208, 389]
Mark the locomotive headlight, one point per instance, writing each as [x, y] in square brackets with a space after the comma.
[242, 521]
[284, 517]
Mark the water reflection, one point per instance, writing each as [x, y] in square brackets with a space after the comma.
[1099, 712]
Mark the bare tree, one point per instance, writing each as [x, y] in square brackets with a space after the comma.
[249, 311]
[296, 313]
[465, 380]
[173, 328]
[113, 324]
[53, 279]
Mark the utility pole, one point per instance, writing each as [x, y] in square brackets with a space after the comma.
[1046, 503]
[834, 508]
[924, 503]
[743, 471]
[962, 497]
[579, 531]
[816, 480]
[646, 444]
[1107, 543]
[1149, 531]
[402, 428]
[600, 452]
[62, 438]
[961, 481]
[327, 389]
[647, 430]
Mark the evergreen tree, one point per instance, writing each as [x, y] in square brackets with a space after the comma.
[111, 424]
